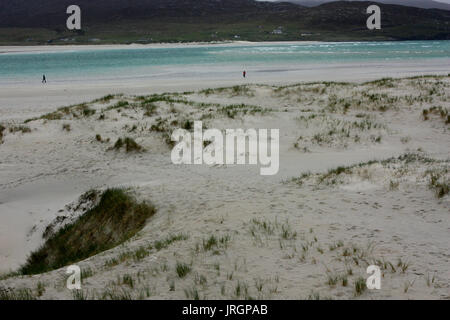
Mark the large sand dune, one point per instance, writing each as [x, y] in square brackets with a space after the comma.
[308, 232]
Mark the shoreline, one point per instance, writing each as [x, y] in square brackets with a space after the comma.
[50, 48]
[20, 101]
[162, 45]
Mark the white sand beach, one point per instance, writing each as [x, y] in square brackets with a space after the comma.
[286, 238]
[60, 48]
[21, 100]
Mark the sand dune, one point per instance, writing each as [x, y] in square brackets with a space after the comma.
[308, 232]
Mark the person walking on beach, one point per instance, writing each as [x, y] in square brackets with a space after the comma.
[244, 74]
[44, 80]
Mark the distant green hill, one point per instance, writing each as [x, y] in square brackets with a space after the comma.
[146, 21]
[426, 4]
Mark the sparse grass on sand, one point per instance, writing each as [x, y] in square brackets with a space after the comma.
[2, 128]
[19, 294]
[182, 269]
[66, 127]
[129, 144]
[360, 286]
[23, 129]
[436, 172]
[257, 249]
[116, 218]
[438, 111]
[13, 129]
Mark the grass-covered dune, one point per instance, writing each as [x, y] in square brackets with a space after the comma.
[116, 218]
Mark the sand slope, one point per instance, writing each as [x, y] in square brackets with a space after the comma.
[245, 235]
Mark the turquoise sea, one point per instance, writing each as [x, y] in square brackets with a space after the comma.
[116, 63]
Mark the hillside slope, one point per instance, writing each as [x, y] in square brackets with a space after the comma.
[149, 21]
[425, 4]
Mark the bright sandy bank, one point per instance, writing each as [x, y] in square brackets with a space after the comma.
[277, 237]
[22, 100]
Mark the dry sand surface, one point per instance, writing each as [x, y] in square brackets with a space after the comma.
[364, 175]
[22, 100]
[60, 48]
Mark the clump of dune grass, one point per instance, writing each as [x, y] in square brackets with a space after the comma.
[16, 294]
[8, 275]
[182, 269]
[239, 90]
[360, 286]
[40, 289]
[129, 143]
[436, 110]
[105, 99]
[80, 295]
[66, 127]
[23, 129]
[161, 125]
[215, 243]
[119, 144]
[56, 115]
[75, 111]
[192, 293]
[2, 128]
[144, 251]
[119, 105]
[402, 166]
[332, 279]
[188, 125]
[149, 109]
[383, 82]
[164, 243]
[84, 110]
[402, 265]
[316, 296]
[242, 90]
[128, 280]
[335, 132]
[287, 233]
[165, 128]
[439, 185]
[116, 294]
[116, 218]
[232, 110]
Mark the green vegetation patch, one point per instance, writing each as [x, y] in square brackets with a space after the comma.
[116, 218]
[2, 128]
[19, 294]
[129, 144]
[23, 129]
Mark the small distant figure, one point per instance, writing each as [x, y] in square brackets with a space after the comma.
[244, 74]
[44, 79]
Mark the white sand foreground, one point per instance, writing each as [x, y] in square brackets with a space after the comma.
[283, 238]
[19, 101]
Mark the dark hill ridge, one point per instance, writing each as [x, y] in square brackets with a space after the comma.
[145, 21]
[426, 4]
[25, 13]
[354, 13]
